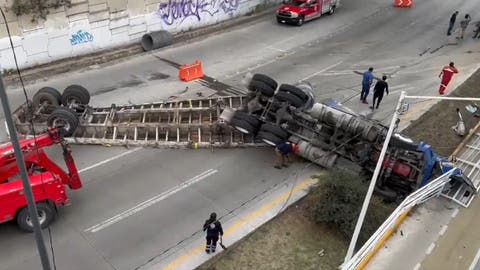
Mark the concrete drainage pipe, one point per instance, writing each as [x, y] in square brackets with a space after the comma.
[155, 40]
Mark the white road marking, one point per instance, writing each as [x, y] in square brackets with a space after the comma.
[455, 212]
[141, 206]
[275, 49]
[417, 266]
[108, 160]
[443, 230]
[321, 71]
[430, 249]
[475, 261]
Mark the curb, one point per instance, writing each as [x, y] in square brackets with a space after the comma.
[125, 52]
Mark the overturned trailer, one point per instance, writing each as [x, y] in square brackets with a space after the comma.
[267, 115]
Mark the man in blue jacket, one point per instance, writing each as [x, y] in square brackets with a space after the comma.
[283, 150]
[366, 84]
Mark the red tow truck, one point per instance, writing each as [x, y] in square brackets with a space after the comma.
[299, 11]
[47, 180]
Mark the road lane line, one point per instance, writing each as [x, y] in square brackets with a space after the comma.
[108, 160]
[143, 205]
[444, 229]
[475, 261]
[241, 223]
[430, 248]
[455, 212]
[321, 71]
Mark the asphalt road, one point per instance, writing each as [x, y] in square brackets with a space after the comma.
[138, 203]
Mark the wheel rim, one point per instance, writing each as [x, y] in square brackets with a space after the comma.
[61, 123]
[42, 217]
[332, 10]
[242, 130]
[268, 142]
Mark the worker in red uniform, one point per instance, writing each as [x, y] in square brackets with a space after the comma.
[446, 75]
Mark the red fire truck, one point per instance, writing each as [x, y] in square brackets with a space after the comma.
[299, 11]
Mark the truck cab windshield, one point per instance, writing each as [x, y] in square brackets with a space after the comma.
[296, 3]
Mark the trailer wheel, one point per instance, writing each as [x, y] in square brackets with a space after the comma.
[261, 87]
[265, 79]
[46, 214]
[242, 126]
[252, 120]
[65, 119]
[292, 89]
[290, 98]
[75, 94]
[275, 130]
[48, 95]
[269, 138]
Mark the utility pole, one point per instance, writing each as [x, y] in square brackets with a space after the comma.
[32, 208]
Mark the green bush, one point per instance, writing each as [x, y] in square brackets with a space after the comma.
[337, 201]
[37, 8]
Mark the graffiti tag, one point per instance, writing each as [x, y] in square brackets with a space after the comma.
[176, 11]
[81, 37]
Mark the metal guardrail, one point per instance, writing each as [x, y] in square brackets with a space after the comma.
[375, 242]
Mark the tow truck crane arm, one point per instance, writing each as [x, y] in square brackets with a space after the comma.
[33, 153]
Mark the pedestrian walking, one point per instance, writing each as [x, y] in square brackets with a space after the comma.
[452, 23]
[477, 30]
[366, 84]
[282, 151]
[446, 75]
[378, 91]
[463, 25]
[214, 230]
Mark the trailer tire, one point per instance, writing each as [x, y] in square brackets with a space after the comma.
[292, 89]
[46, 213]
[65, 119]
[275, 130]
[290, 98]
[265, 79]
[76, 93]
[269, 138]
[252, 120]
[261, 87]
[49, 95]
[242, 126]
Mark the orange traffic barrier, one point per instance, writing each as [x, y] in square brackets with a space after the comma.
[403, 3]
[191, 72]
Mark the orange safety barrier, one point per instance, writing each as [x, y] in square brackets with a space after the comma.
[191, 72]
[403, 3]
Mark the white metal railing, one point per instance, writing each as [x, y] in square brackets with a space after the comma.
[432, 189]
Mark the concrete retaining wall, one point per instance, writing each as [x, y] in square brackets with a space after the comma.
[93, 25]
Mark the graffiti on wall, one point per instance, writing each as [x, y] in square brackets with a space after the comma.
[176, 11]
[81, 37]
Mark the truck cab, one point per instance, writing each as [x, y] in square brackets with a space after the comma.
[299, 11]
